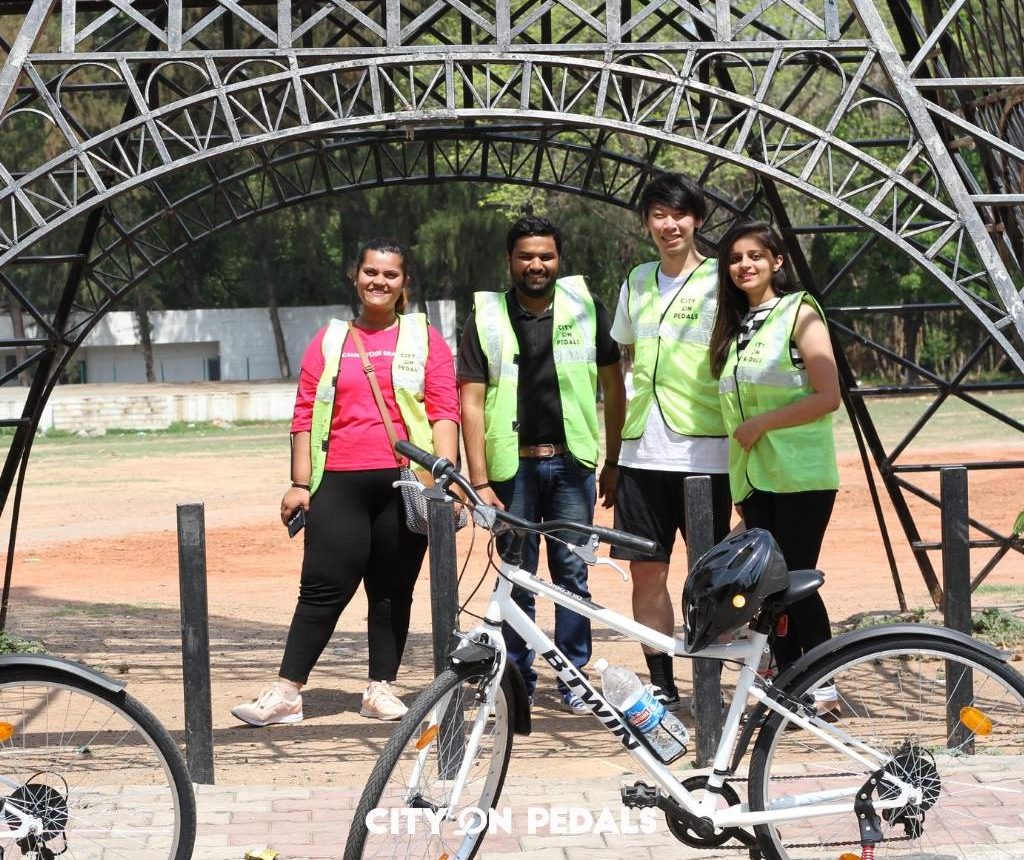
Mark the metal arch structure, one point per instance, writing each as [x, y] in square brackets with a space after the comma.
[156, 123]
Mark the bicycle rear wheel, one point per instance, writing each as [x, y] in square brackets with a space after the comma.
[93, 771]
[415, 776]
[895, 696]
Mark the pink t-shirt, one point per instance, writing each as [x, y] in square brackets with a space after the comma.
[358, 438]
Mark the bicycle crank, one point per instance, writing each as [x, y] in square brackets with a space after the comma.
[688, 828]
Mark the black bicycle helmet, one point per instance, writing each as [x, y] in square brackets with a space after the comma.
[728, 584]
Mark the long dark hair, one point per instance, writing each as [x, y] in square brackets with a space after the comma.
[389, 246]
[732, 301]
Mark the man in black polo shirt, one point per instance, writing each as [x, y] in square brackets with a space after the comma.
[529, 363]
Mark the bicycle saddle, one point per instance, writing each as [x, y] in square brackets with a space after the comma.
[802, 583]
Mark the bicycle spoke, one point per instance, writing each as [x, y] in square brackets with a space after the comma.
[897, 702]
[418, 777]
[86, 771]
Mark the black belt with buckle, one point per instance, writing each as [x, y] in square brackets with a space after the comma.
[541, 452]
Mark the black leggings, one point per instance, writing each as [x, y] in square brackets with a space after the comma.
[797, 521]
[355, 533]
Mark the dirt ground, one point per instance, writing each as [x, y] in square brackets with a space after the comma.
[96, 580]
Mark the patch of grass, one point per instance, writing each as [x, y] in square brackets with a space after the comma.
[242, 439]
[1001, 589]
[875, 619]
[955, 424]
[996, 626]
[54, 433]
[999, 627]
[11, 644]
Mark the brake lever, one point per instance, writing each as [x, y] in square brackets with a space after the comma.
[607, 562]
[485, 515]
[588, 552]
[416, 485]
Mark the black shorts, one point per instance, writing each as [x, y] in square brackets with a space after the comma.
[650, 503]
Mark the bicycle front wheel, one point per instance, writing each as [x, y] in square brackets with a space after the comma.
[446, 734]
[944, 717]
[87, 773]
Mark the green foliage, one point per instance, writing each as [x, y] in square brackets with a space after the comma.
[11, 644]
[995, 626]
[874, 619]
[1018, 524]
[999, 627]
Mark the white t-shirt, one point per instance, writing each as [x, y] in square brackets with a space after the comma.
[659, 447]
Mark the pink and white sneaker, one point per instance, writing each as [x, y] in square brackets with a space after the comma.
[270, 707]
[380, 703]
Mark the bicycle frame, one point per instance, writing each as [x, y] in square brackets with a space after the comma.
[745, 652]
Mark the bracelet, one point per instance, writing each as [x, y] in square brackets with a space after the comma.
[613, 464]
[299, 486]
[480, 486]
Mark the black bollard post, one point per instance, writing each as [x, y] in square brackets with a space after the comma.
[444, 604]
[956, 584]
[444, 590]
[707, 674]
[195, 642]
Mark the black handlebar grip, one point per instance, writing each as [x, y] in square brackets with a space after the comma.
[625, 540]
[417, 455]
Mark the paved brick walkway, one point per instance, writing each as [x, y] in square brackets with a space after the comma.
[313, 823]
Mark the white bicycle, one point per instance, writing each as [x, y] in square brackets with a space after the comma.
[86, 771]
[926, 761]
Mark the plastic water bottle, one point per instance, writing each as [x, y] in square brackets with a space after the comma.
[625, 692]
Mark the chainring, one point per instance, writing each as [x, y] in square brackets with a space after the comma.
[683, 830]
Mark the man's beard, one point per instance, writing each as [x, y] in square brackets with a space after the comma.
[535, 290]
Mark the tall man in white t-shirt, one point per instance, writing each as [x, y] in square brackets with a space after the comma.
[673, 427]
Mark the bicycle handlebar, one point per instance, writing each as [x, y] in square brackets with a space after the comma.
[443, 470]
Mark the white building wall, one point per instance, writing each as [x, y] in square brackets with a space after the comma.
[184, 341]
[172, 362]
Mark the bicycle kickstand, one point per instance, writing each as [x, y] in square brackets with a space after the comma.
[867, 818]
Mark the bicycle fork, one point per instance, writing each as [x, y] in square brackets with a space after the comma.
[457, 752]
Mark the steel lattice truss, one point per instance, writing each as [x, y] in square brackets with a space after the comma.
[154, 125]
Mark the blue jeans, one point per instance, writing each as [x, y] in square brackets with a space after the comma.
[554, 488]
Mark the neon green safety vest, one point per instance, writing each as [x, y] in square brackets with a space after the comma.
[763, 378]
[671, 363]
[574, 345]
[408, 371]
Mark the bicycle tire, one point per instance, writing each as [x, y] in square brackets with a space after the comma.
[396, 783]
[893, 694]
[101, 772]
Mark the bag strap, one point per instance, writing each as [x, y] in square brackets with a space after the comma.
[371, 377]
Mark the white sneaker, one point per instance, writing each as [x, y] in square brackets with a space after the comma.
[379, 703]
[270, 707]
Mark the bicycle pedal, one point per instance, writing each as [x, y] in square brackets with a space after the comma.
[639, 796]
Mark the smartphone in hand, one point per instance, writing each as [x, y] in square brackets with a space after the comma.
[297, 522]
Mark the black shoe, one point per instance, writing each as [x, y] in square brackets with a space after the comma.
[669, 698]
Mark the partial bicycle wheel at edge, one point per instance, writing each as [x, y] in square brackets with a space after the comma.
[398, 814]
[894, 696]
[92, 771]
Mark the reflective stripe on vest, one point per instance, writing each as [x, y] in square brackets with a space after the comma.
[574, 349]
[761, 379]
[408, 375]
[671, 363]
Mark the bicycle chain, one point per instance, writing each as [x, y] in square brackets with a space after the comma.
[783, 698]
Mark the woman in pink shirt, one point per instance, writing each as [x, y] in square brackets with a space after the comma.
[356, 529]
